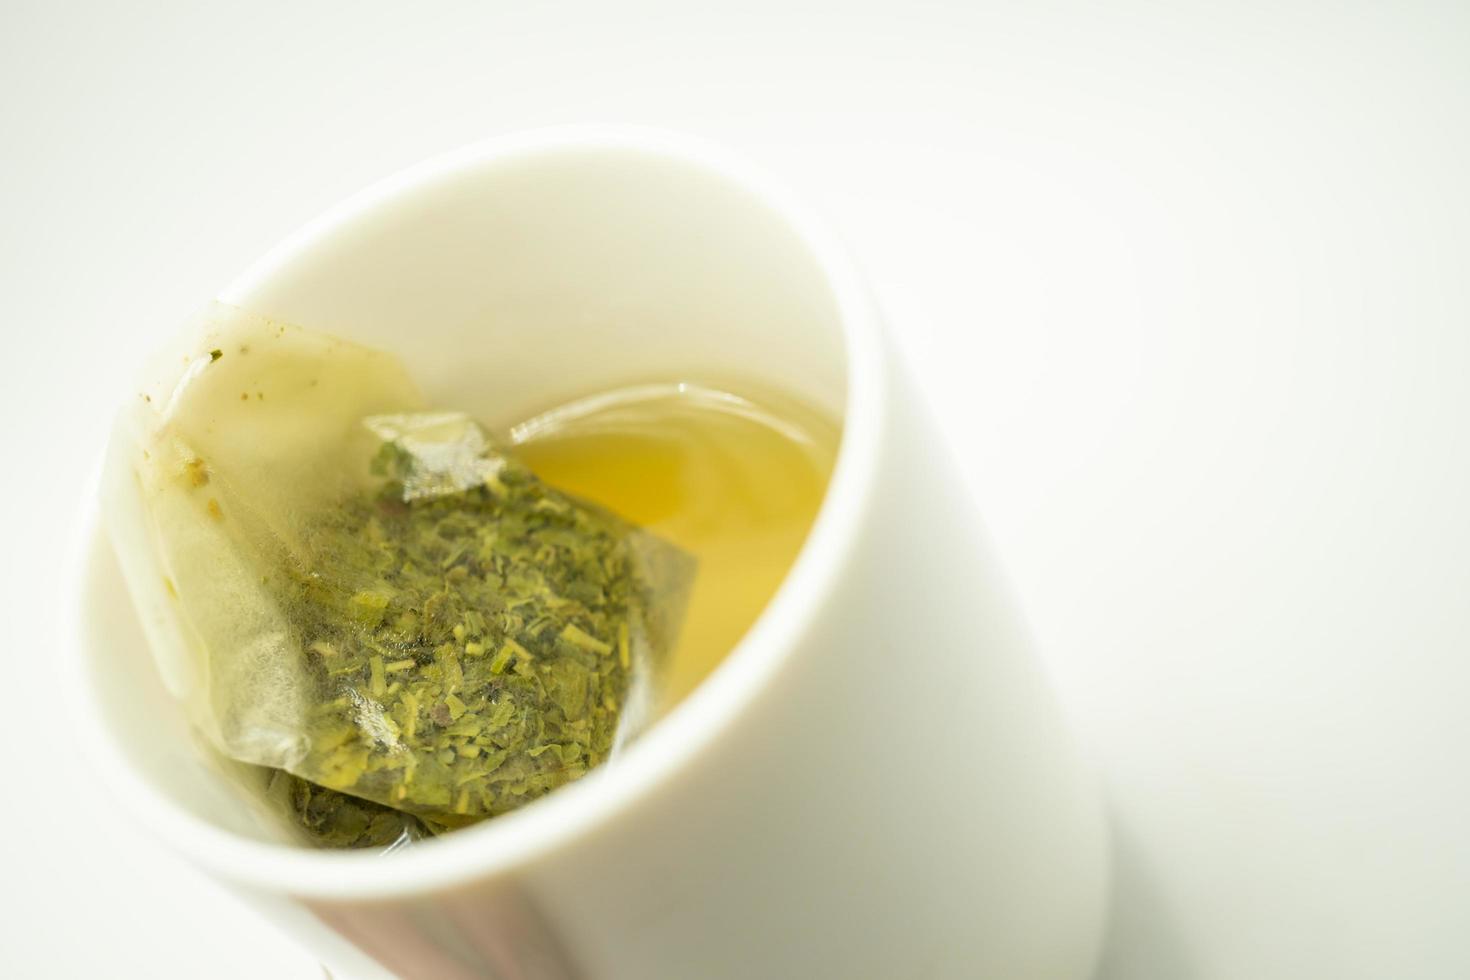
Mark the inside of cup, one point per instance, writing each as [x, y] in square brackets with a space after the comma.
[507, 285]
[515, 285]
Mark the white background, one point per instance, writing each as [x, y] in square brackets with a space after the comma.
[1189, 285]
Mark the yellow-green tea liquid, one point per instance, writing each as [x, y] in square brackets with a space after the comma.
[734, 480]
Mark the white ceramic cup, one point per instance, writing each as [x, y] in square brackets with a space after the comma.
[875, 783]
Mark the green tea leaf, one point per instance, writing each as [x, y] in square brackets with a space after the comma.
[332, 819]
[400, 599]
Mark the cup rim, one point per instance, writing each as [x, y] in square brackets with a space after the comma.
[522, 837]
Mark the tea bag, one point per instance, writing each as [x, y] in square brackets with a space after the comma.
[377, 599]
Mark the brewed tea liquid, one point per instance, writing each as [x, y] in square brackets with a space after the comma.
[735, 480]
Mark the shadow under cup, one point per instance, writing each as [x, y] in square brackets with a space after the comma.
[874, 783]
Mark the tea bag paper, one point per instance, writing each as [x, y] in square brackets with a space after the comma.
[372, 597]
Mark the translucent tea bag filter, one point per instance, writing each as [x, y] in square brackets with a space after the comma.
[377, 599]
